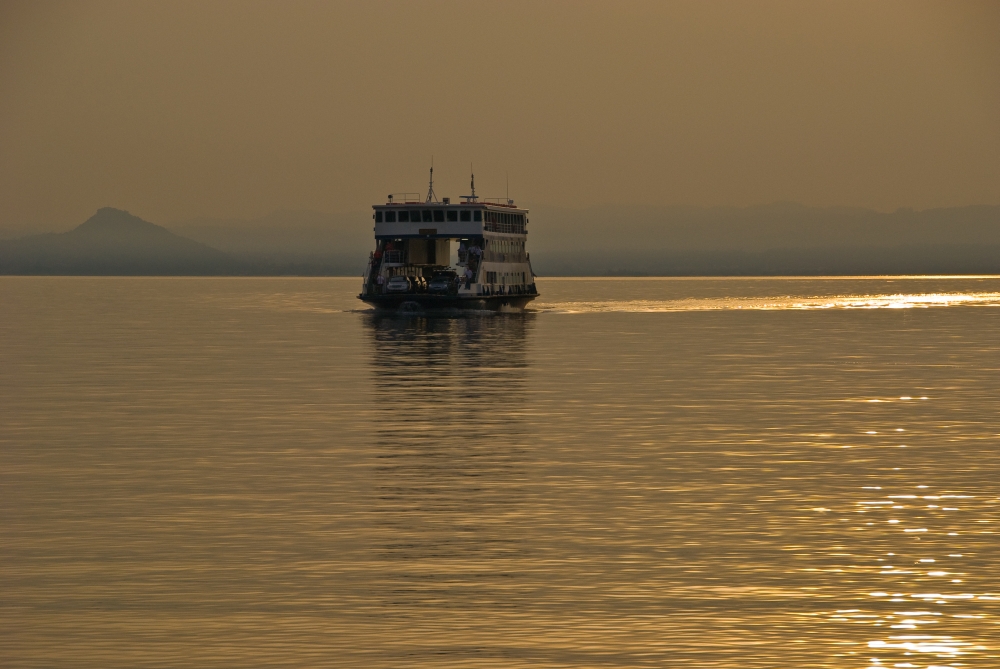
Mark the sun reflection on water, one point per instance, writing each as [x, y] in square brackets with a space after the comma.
[887, 301]
[921, 616]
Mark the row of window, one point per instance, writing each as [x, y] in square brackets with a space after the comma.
[429, 216]
[499, 221]
[496, 221]
[504, 218]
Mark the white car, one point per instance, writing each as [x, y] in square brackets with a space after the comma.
[398, 284]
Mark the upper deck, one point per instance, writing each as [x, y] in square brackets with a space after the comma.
[403, 218]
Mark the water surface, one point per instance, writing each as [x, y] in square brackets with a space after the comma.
[641, 472]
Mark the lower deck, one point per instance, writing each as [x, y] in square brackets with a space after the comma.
[431, 271]
[405, 301]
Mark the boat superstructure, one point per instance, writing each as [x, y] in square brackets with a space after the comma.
[432, 254]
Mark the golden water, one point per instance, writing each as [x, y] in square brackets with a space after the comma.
[636, 473]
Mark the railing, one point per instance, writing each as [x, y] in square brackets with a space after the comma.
[475, 275]
[499, 202]
[508, 228]
[404, 198]
[497, 256]
[366, 286]
[393, 256]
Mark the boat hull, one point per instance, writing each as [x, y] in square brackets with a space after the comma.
[422, 301]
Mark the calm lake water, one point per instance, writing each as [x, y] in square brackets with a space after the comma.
[636, 473]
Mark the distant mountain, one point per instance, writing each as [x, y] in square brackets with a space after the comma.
[290, 242]
[113, 242]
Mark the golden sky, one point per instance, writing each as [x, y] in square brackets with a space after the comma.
[175, 110]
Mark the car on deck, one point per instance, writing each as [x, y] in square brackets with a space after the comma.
[398, 284]
[441, 283]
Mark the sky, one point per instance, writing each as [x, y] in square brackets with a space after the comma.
[177, 110]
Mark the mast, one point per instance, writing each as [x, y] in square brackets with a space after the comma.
[472, 197]
[431, 196]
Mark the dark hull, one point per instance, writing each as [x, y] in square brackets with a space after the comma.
[425, 301]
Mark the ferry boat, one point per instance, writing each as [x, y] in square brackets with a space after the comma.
[432, 254]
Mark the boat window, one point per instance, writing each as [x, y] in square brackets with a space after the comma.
[378, 216]
[390, 217]
[427, 215]
[415, 215]
[452, 215]
[464, 215]
[404, 216]
[438, 216]
[477, 216]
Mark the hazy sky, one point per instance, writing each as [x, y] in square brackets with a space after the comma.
[175, 110]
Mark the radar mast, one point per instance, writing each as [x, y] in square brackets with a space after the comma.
[431, 195]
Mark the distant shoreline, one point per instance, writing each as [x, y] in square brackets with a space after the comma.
[781, 240]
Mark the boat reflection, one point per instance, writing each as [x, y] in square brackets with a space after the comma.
[450, 441]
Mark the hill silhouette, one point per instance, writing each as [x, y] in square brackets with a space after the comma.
[113, 242]
[775, 239]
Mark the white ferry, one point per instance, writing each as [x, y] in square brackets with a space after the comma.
[438, 254]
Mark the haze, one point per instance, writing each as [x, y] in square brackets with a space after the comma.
[235, 109]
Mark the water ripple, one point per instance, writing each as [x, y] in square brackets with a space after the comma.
[249, 472]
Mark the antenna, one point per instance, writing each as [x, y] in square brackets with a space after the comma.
[472, 197]
[509, 201]
[431, 196]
